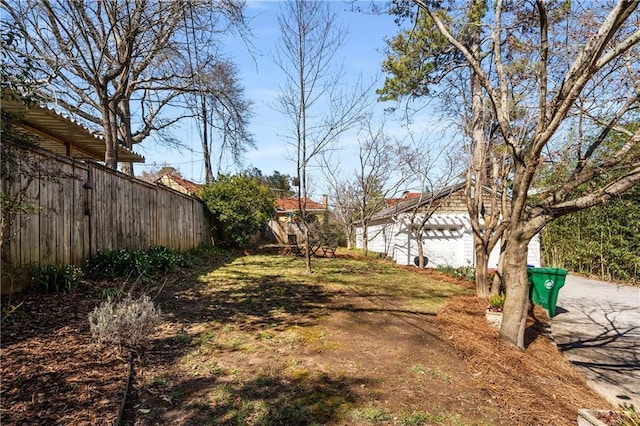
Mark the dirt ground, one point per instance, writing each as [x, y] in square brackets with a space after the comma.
[331, 355]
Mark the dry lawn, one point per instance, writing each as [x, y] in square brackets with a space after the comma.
[253, 340]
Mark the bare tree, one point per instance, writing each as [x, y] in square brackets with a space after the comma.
[222, 110]
[343, 196]
[119, 65]
[314, 96]
[421, 63]
[546, 85]
[377, 176]
[433, 170]
[158, 171]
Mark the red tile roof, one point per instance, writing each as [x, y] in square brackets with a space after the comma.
[390, 202]
[191, 187]
[291, 204]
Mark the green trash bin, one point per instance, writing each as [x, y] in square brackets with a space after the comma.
[545, 284]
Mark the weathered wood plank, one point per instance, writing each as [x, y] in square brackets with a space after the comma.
[124, 213]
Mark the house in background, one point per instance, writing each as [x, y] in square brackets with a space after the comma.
[55, 132]
[180, 184]
[288, 219]
[390, 202]
[448, 237]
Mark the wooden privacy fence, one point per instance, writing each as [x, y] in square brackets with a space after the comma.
[81, 207]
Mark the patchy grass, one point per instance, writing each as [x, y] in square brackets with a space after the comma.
[256, 341]
[264, 343]
[355, 342]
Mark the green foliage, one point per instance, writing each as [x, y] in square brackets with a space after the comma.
[628, 416]
[497, 301]
[163, 259]
[56, 278]
[110, 293]
[127, 323]
[372, 414]
[242, 204]
[329, 233]
[125, 262]
[278, 183]
[602, 241]
[19, 80]
[463, 272]
[417, 59]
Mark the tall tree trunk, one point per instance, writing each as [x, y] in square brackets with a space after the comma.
[420, 247]
[365, 240]
[110, 134]
[517, 290]
[476, 178]
[349, 234]
[498, 281]
[206, 154]
[482, 263]
[124, 131]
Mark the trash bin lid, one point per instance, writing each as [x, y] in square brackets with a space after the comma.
[548, 271]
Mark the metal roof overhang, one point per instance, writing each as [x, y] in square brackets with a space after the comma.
[62, 135]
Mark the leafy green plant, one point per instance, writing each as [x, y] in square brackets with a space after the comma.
[372, 414]
[496, 302]
[242, 204]
[183, 337]
[56, 278]
[601, 241]
[415, 419]
[163, 259]
[124, 262]
[158, 382]
[463, 272]
[127, 323]
[626, 417]
[111, 293]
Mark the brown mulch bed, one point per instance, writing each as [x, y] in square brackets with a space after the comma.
[534, 387]
[52, 373]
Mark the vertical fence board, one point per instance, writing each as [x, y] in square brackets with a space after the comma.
[78, 245]
[124, 213]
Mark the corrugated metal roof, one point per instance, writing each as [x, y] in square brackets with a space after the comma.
[57, 132]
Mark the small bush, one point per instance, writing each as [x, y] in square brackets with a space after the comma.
[110, 293]
[127, 323]
[163, 259]
[464, 272]
[125, 263]
[56, 278]
[496, 302]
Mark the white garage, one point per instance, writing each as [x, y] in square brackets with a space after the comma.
[447, 239]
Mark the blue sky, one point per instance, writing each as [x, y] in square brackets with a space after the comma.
[362, 54]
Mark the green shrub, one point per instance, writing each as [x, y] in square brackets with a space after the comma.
[163, 259]
[127, 323]
[496, 302]
[110, 293]
[56, 278]
[125, 262]
[463, 272]
[242, 205]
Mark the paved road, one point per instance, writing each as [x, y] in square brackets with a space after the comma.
[597, 327]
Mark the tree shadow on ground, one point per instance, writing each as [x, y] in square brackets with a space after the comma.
[250, 304]
[604, 346]
[264, 400]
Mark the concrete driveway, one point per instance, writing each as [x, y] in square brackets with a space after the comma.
[597, 328]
